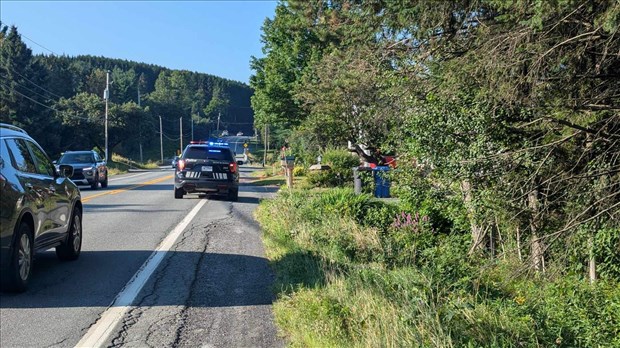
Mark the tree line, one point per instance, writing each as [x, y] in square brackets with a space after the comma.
[59, 101]
[504, 115]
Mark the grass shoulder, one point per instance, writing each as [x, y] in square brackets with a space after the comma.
[353, 271]
[120, 165]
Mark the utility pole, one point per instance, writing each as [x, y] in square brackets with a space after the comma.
[192, 128]
[265, 151]
[106, 96]
[181, 132]
[218, 123]
[161, 141]
[141, 158]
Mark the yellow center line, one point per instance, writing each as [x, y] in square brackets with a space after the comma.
[113, 192]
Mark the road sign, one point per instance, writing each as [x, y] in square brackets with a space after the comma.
[245, 145]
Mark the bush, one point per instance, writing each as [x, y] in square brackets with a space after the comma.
[349, 272]
[299, 171]
[340, 173]
[606, 248]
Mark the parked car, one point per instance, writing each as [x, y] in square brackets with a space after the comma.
[207, 167]
[174, 161]
[88, 168]
[40, 208]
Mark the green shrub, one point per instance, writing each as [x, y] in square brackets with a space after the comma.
[379, 214]
[340, 173]
[606, 250]
[299, 171]
[344, 202]
[444, 207]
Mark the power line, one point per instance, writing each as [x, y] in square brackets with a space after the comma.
[169, 138]
[33, 100]
[237, 122]
[25, 78]
[164, 134]
[30, 90]
[45, 105]
[38, 44]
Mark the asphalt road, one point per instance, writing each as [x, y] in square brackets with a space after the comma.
[211, 287]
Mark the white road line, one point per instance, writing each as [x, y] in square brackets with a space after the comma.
[98, 334]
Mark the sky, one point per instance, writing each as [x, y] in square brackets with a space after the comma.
[213, 37]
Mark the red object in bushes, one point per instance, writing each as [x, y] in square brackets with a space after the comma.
[390, 161]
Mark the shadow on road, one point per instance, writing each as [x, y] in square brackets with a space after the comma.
[263, 189]
[123, 208]
[248, 200]
[136, 187]
[221, 280]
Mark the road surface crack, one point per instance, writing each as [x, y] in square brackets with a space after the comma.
[150, 298]
[183, 314]
[59, 343]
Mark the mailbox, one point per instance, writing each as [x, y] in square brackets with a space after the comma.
[288, 161]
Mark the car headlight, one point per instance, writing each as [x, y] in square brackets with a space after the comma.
[88, 172]
[87, 168]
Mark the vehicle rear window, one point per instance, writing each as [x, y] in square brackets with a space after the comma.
[77, 158]
[203, 152]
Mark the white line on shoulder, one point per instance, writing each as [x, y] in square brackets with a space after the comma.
[98, 334]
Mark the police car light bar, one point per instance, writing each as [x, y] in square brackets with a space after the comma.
[213, 143]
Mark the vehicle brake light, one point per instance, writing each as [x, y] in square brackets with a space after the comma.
[181, 164]
[232, 167]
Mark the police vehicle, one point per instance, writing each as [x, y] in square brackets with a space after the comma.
[207, 167]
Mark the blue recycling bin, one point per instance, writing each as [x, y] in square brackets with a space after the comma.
[382, 182]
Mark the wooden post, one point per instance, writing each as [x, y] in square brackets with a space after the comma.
[288, 163]
[538, 258]
[477, 232]
[289, 177]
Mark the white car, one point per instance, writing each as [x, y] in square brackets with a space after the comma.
[241, 159]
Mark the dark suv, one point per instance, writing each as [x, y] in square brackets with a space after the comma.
[40, 208]
[207, 167]
[88, 168]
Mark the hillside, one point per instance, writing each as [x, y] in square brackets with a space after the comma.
[62, 95]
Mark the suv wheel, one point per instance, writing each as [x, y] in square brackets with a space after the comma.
[178, 193]
[104, 183]
[71, 248]
[20, 268]
[95, 183]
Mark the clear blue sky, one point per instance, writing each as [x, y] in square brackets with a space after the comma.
[213, 37]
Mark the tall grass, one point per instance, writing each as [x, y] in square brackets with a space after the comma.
[347, 276]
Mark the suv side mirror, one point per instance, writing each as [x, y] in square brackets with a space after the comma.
[54, 162]
[66, 170]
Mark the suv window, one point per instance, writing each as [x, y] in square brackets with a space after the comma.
[5, 158]
[77, 158]
[22, 160]
[204, 152]
[44, 166]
